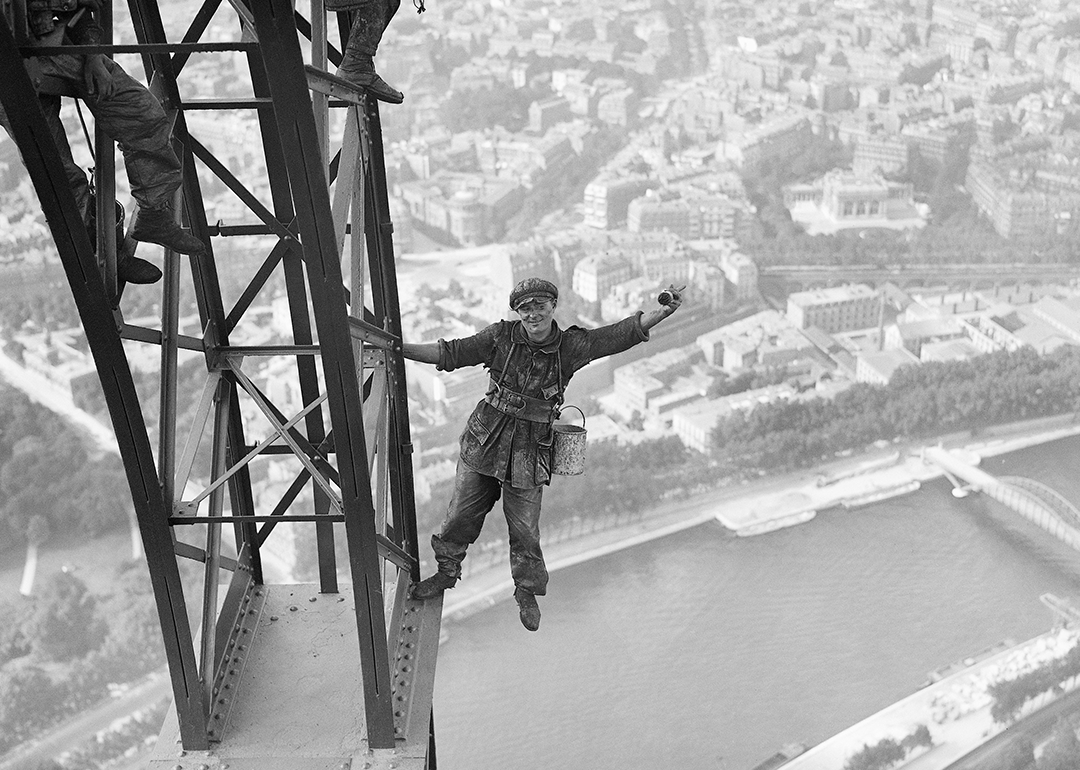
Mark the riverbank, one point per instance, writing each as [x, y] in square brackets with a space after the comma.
[956, 709]
[763, 506]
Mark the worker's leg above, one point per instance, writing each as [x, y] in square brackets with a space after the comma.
[522, 509]
[80, 186]
[358, 65]
[474, 496]
[129, 268]
[132, 116]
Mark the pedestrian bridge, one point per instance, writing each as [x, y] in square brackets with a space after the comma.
[1033, 500]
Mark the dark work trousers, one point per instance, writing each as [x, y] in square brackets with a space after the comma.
[369, 23]
[133, 117]
[475, 494]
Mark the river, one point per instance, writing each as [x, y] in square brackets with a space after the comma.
[702, 650]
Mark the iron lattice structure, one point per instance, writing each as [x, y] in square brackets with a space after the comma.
[247, 687]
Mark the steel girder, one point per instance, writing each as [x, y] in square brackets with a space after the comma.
[348, 369]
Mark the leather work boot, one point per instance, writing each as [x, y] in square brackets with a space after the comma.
[433, 586]
[528, 609]
[136, 270]
[158, 226]
[359, 70]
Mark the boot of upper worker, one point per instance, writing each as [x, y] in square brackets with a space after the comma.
[136, 270]
[158, 226]
[359, 70]
[433, 586]
[528, 609]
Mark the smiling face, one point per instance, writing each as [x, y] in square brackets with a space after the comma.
[536, 316]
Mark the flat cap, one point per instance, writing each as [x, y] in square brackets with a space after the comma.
[532, 288]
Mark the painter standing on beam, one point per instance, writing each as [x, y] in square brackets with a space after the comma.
[506, 448]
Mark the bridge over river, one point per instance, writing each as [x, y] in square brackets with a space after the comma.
[957, 708]
[1034, 501]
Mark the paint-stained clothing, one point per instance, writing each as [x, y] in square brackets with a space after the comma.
[130, 114]
[506, 447]
[511, 444]
[371, 20]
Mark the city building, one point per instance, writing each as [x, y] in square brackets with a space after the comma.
[837, 309]
[763, 339]
[880, 154]
[843, 200]
[1015, 203]
[607, 200]
[594, 276]
[546, 113]
[877, 366]
[694, 423]
[774, 141]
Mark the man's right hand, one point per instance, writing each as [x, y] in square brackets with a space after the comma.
[98, 80]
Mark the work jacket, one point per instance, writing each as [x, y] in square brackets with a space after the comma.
[33, 19]
[509, 433]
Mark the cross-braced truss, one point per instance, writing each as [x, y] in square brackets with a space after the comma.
[245, 672]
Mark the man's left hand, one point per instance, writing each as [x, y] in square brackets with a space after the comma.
[99, 81]
[675, 302]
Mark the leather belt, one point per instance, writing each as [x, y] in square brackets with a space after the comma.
[520, 406]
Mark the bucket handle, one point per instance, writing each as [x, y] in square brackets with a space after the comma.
[571, 406]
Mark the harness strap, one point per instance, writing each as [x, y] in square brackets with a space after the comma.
[518, 405]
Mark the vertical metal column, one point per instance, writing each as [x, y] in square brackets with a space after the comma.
[296, 125]
[387, 308]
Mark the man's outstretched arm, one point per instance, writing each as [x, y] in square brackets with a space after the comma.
[424, 352]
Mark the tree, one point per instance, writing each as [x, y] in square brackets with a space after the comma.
[1062, 751]
[64, 624]
[28, 699]
[1018, 754]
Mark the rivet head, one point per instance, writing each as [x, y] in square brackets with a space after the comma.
[293, 608]
[313, 599]
[273, 617]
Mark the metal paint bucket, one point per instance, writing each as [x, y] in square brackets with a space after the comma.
[568, 447]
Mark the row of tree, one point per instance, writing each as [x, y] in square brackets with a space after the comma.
[1011, 695]
[889, 752]
[58, 654]
[919, 401]
[1060, 752]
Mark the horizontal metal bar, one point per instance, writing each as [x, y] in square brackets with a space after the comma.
[283, 519]
[270, 350]
[331, 85]
[274, 449]
[153, 336]
[227, 104]
[147, 48]
[392, 551]
[228, 231]
[373, 335]
[198, 554]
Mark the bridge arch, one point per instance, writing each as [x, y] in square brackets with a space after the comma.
[1052, 499]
